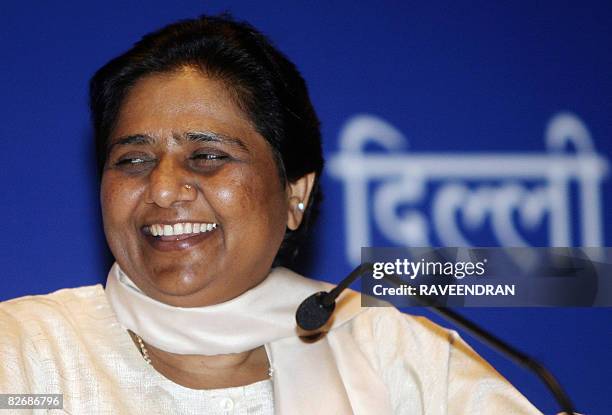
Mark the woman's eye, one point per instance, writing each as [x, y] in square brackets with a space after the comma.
[208, 156]
[133, 162]
[208, 160]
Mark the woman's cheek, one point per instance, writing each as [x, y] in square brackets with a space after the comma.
[232, 192]
[225, 197]
[118, 201]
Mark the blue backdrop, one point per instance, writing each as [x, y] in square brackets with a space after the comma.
[472, 124]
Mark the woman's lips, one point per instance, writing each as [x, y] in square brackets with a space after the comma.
[177, 237]
[177, 242]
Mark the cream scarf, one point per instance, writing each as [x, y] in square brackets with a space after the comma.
[325, 377]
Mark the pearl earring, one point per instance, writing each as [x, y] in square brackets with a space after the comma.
[300, 206]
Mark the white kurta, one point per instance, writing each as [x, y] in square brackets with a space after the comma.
[70, 342]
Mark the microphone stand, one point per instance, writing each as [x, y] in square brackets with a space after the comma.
[316, 310]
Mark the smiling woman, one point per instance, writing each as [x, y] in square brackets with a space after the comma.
[180, 172]
[210, 157]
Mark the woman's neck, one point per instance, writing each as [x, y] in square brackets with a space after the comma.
[210, 372]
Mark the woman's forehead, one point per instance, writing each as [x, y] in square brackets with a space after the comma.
[181, 105]
[180, 93]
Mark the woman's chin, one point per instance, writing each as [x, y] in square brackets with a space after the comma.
[181, 290]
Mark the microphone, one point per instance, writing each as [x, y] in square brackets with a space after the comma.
[316, 310]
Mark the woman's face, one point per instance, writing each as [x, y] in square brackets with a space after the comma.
[186, 161]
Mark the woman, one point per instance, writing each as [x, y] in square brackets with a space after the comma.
[210, 154]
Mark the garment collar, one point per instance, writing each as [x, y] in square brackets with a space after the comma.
[261, 315]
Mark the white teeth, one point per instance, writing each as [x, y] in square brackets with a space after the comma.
[180, 228]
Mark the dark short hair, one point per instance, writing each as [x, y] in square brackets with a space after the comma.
[264, 83]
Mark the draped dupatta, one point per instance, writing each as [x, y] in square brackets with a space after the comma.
[329, 375]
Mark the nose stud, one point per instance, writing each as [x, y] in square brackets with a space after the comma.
[188, 186]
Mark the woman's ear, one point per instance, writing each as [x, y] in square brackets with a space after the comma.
[298, 194]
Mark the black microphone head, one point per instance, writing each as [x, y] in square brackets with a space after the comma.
[312, 314]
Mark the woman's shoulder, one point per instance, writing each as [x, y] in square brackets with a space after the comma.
[35, 316]
[39, 333]
[390, 318]
[62, 302]
[411, 351]
[385, 331]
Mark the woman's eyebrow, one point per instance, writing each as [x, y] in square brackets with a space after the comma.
[198, 136]
[209, 136]
[131, 139]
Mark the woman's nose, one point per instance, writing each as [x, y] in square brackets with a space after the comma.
[169, 184]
